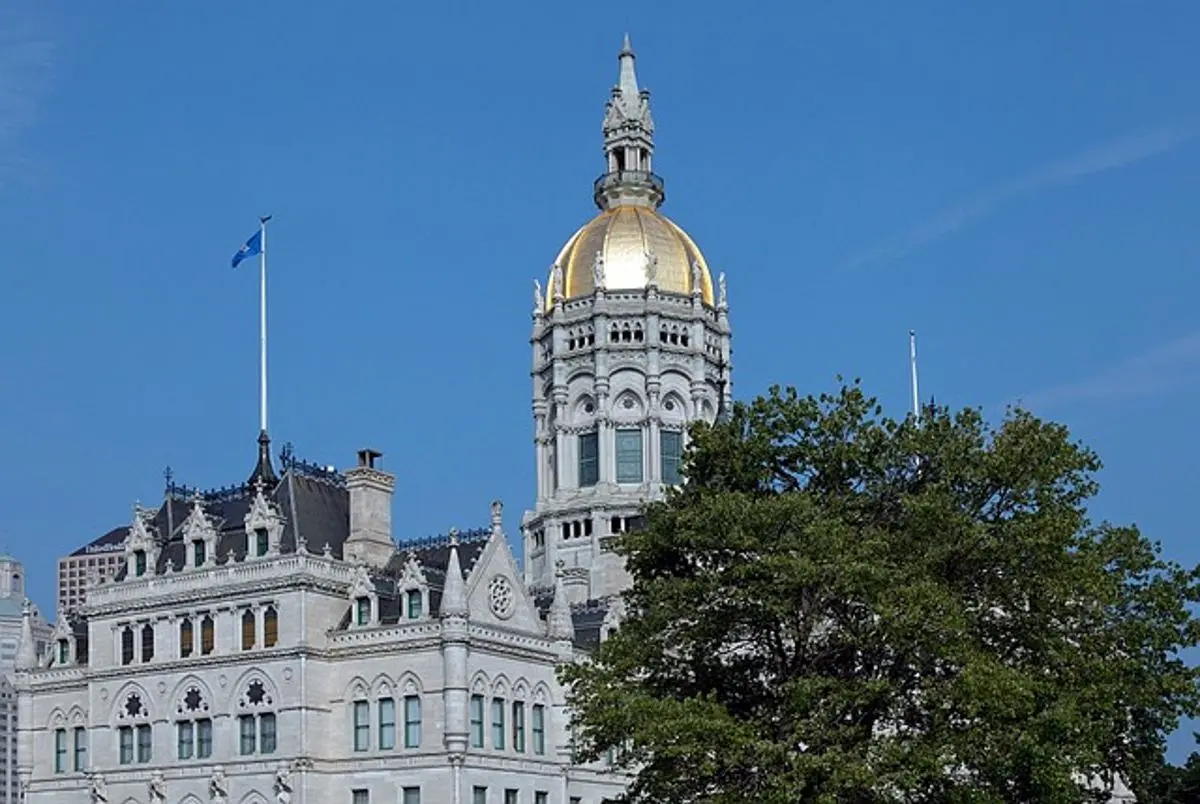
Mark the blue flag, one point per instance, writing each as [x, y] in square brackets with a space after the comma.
[252, 248]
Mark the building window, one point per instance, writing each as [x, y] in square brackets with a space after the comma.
[362, 726]
[125, 741]
[270, 627]
[498, 723]
[266, 734]
[412, 795]
[247, 733]
[512, 796]
[199, 553]
[539, 729]
[541, 797]
[249, 626]
[629, 456]
[207, 635]
[60, 751]
[477, 721]
[139, 563]
[81, 748]
[147, 642]
[127, 645]
[64, 651]
[387, 724]
[671, 446]
[360, 797]
[204, 737]
[260, 542]
[413, 598]
[589, 459]
[187, 638]
[479, 795]
[362, 611]
[145, 745]
[518, 726]
[185, 739]
[412, 721]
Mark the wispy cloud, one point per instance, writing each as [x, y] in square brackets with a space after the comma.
[26, 54]
[1158, 370]
[1098, 159]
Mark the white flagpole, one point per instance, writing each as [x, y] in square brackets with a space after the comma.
[262, 326]
[912, 359]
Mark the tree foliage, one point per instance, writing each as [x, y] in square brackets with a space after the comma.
[841, 607]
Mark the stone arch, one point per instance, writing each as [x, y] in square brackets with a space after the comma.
[175, 702]
[579, 409]
[190, 798]
[57, 718]
[253, 797]
[77, 716]
[130, 800]
[409, 683]
[674, 407]
[383, 686]
[121, 699]
[500, 686]
[520, 689]
[629, 405]
[480, 683]
[356, 689]
[240, 686]
[542, 694]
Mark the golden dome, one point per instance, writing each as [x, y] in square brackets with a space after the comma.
[625, 235]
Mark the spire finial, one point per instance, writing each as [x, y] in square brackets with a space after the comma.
[626, 48]
[628, 142]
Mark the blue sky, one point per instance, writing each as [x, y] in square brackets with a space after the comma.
[1015, 181]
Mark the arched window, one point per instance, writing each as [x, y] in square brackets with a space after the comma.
[270, 627]
[194, 727]
[187, 638]
[207, 635]
[147, 642]
[256, 726]
[249, 626]
[127, 645]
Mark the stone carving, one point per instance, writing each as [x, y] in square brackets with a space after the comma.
[283, 783]
[539, 302]
[98, 789]
[598, 270]
[651, 268]
[157, 788]
[697, 279]
[559, 290]
[501, 597]
[721, 302]
[218, 786]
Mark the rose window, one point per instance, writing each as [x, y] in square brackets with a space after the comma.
[501, 597]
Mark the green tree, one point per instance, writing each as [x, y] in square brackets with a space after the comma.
[841, 607]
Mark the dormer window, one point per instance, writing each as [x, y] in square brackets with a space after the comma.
[139, 563]
[199, 553]
[261, 541]
[413, 604]
[362, 611]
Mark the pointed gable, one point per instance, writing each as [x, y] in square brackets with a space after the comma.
[495, 594]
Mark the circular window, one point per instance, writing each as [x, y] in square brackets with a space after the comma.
[627, 403]
[669, 404]
[589, 408]
[501, 597]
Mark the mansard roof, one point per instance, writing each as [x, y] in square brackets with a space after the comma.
[433, 556]
[314, 503]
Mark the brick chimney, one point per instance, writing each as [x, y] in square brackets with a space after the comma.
[370, 511]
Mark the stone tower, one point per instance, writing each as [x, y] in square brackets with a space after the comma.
[630, 344]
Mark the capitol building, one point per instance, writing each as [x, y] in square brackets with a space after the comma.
[280, 641]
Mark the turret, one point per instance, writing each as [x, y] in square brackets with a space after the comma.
[455, 651]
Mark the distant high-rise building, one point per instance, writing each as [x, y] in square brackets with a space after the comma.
[93, 563]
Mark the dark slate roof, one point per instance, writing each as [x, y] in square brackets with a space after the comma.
[315, 507]
[587, 617]
[433, 555]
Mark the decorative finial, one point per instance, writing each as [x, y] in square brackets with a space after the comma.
[539, 302]
[626, 47]
[168, 476]
[697, 278]
[497, 514]
[651, 268]
[327, 551]
[559, 291]
[722, 301]
[454, 536]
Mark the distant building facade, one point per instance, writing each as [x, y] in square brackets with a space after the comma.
[92, 564]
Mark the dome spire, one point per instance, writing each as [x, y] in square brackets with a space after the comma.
[628, 142]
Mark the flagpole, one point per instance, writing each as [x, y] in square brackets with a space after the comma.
[262, 326]
[912, 359]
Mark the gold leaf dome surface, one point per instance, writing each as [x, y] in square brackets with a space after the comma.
[624, 235]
